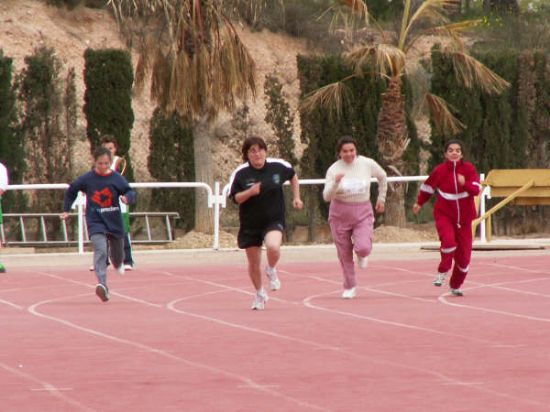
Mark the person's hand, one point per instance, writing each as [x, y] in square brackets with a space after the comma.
[124, 199]
[1, 192]
[339, 177]
[380, 206]
[297, 203]
[461, 179]
[416, 208]
[64, 216]
[255, 189]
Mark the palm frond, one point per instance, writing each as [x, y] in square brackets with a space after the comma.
[471, 72]
[386, 59]
[330, 97]
[444, 120]
[197, 61]
[430, 11]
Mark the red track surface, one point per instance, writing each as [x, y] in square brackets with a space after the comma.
[184, 339]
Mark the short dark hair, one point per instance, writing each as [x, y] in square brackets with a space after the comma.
[100, 151]
[249, 142]
[346, 139]
[454, 141]
[109, 139]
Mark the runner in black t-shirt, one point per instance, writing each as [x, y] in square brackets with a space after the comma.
[257, 187]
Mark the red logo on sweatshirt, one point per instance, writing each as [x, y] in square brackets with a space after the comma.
[103, 198]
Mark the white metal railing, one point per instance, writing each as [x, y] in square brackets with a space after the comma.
[218, 199]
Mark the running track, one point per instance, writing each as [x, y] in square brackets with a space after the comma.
[182, 338]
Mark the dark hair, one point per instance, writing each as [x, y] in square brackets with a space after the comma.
[100, 151]
[454, 141]
[342, 141]
[251, 141]
[109, 139]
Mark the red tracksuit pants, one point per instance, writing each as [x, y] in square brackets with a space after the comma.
[456, 244]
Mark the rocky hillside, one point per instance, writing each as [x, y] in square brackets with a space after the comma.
[28, 24]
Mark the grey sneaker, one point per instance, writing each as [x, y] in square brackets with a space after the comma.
[260, 300]
[439, 279]
[456, 292]
[274, 282]
[102, 292]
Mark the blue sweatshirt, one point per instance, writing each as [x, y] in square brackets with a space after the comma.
[102, 201]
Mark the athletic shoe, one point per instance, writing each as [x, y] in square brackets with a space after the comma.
[120, 269]
[274, 282]
[260, 300]
[349, 293]
[456, 292]
[91, 268]
[102, 292]
[128, 267]
[362, 261]
[2, 268]
[439, 279]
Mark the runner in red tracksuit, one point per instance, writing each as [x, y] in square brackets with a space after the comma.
[456, 183]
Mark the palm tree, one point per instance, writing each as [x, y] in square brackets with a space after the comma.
[391, 59]
[198, 67]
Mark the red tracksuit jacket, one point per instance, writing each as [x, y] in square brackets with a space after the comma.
[454, 201]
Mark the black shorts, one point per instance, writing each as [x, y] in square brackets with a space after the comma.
[249, 237]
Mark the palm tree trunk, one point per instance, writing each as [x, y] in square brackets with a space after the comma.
[392, 141]
[204, 172]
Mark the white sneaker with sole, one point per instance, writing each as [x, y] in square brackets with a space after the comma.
[260, 300]
[274, 282]
[457, 292]
[128, 267]
[439, 279]
[120, 270]
[349, 293]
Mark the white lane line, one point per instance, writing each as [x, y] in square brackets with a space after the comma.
[11, 304]
[48, 387]
[33, 309]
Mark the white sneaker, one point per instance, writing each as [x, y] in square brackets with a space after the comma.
[457, 292]
[120, 270]
[439, 279]
[260, 300]
[91, 268]
[274, 282]
[349, 293]
[128, 267]
[362, 261]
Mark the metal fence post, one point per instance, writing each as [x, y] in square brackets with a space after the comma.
[216, 205]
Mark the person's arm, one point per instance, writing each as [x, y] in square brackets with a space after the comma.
[70, 196]
[427, 189]
[332, 181]
[470, 181]
[380, 174]
[129, 195]
[246, 194]
[295, 185]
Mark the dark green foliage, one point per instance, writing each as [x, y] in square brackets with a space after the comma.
[171, 159]
[321, 130]
[41, 92]
[509, 131]
[493, 138]
[109, 77]
[11, 147]
[279, 117]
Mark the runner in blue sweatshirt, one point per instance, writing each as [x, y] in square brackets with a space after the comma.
[103, 188]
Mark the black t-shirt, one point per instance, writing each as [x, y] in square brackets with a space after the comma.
[268, 206]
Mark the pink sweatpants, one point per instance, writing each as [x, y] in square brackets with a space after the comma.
[351, 225]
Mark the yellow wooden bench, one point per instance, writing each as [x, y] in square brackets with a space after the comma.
[517, 186]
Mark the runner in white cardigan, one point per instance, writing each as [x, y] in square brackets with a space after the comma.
[351, 217]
